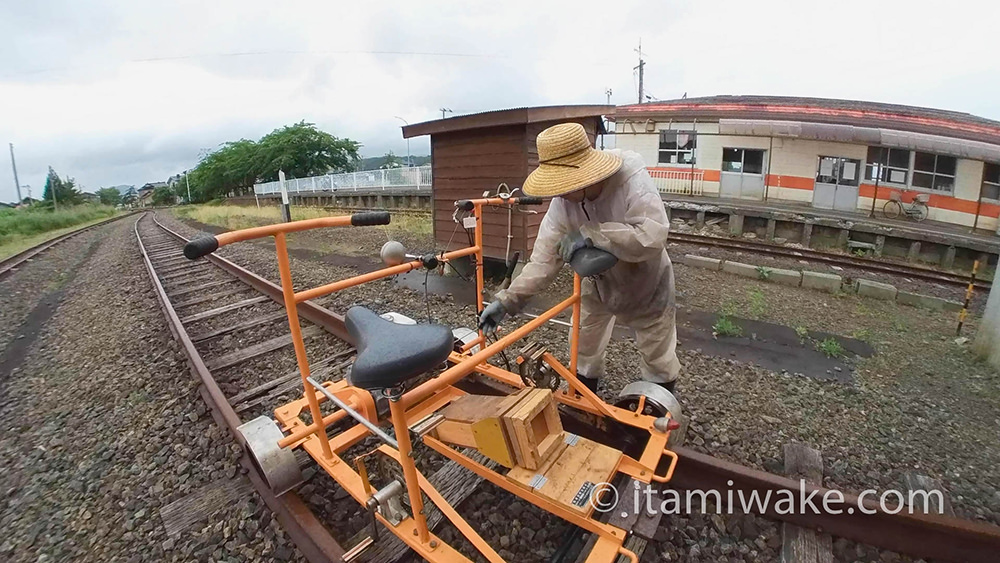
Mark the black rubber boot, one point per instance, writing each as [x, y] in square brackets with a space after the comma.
[669, 386]
[590, 382]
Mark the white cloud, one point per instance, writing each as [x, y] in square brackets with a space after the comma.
[129, 92]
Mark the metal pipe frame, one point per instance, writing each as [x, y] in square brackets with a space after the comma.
[922, 536]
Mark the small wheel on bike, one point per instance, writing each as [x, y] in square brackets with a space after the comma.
[892, 209]
[919, 211]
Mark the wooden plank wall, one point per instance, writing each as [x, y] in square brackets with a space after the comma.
[468, 163]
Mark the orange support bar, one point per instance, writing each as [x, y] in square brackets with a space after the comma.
[376, 275]
[269, 230]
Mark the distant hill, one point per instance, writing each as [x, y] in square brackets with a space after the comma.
[376, 162]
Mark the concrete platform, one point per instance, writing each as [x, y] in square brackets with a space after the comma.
[944, 244]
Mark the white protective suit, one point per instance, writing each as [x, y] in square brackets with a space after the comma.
[628, 220]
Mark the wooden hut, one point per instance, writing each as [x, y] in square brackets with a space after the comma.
[472, 154]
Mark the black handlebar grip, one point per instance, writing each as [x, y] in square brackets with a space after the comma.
[200, 246]
[369, 218]
[529, 200]
[465, 204]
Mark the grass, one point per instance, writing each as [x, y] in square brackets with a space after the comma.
[758, 303]
[831, 347]
[233, 217]
[726, 326]
[21, 229]
[764, 273]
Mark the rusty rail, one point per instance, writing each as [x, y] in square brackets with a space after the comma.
[309, 535]
[10, 263]
[924, 536]
[926, 274]
[918, 535]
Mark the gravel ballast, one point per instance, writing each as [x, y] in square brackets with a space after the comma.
[104, 427]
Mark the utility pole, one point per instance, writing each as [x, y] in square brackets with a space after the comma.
[408, 162]
[188, 182]
[608, 94]
[13, 165]
[642, 64]
[443, 110]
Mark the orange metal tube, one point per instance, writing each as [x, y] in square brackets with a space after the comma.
[450, 513]
[479, 340]
[288, 292]
[470, 364]
[574, 331]
[268, 230]
[398, 414]
[376, 275]
[479, 262]
[305, 431]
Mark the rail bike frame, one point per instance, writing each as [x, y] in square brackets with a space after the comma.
[434, 394]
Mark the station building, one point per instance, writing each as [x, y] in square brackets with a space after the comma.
[829, 154]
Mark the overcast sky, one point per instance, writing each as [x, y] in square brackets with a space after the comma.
[130, 92]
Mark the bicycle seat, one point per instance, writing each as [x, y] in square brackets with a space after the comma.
[590, 261]
[390, 353]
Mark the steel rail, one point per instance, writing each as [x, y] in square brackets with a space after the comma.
[925, 536]
[918, 535]
[308, 534]
[926, 274]
[10, 263]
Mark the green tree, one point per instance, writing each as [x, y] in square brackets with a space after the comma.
[65, 190]
[109, 196]
[163, 195]
[302, 150]
[299, 150]
[390, 161]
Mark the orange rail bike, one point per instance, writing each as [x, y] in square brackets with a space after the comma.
[515, 442]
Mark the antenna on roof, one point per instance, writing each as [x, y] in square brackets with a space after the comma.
[642, 64]
[443, 110]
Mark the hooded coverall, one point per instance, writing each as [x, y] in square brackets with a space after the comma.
[628, 220]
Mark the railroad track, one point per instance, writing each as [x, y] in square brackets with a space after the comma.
[10, 264]
[869, 264]
[227, 318]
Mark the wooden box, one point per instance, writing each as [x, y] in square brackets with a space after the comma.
[522, 429]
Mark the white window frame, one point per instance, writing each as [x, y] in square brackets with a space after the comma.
[743, 159]
[908, 185]
[877, 166]
[914, 171]
[677, 152]
[985, 183]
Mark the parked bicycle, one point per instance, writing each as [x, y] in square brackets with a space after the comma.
[896, 207]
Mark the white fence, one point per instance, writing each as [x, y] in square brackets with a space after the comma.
[679, 182]
[414, 178]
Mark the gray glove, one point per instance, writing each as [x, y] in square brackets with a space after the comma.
[572, 242]
[491, 316]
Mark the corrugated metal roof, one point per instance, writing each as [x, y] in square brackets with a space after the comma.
[847, 112]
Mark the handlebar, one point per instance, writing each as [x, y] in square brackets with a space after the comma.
[470, 204]
[206, 244]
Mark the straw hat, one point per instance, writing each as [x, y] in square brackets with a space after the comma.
[567, 162]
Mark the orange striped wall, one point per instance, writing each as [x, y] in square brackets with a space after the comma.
[793, 182]
[866, 190]
[936, 200]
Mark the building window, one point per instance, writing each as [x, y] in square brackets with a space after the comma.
[745, 161]
[677, 147]
[887, 165]
[991, 182]
[934, 171]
